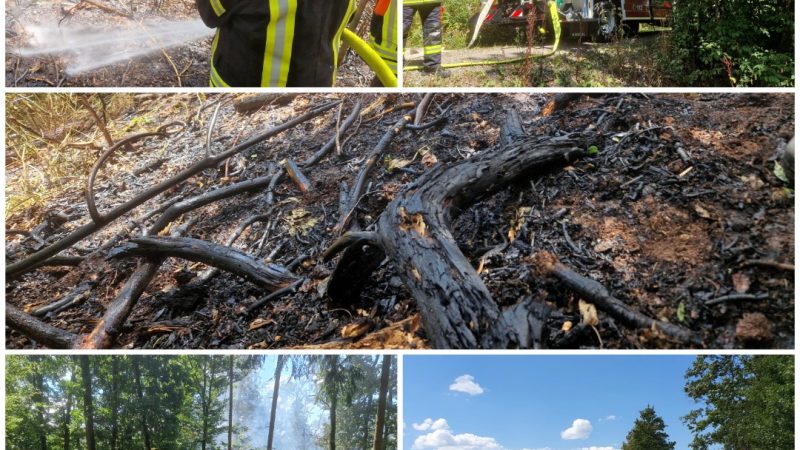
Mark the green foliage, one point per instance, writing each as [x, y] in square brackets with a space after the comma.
[184, 401]
[455, 26]
[747, 402]
[648, 433]
[731, 42]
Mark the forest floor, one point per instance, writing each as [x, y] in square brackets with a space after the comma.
[184, 64]
[681, 194]
[577, 63]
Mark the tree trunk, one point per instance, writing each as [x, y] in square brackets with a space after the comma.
[88, 410]
[39, 401]
[334, 398]
[379, 422]
[365, 433]
[68, 413]
[140, 396]
[114, 401]
[275, 388]
[204, 405]
[230, 402]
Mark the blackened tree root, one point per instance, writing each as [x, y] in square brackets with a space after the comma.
[456, 307]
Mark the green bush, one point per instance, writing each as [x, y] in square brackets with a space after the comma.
[732, 42]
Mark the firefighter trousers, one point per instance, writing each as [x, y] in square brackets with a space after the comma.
[383, 32]
[431, 16]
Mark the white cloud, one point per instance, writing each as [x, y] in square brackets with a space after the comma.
[608, 417]
[597, 448]
[580, 429]
[430, 424]
[466, 384]
[446, 440]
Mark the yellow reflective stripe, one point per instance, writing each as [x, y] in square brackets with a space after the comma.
[431, 49]
[389, 36]
[216, 5]
[278, 49]
[337, 38]
[216, 80]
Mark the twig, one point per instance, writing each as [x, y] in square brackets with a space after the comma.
[768, 263]
[297, 176]
[422, 108]
[736, 298]
[594, 292]
[92, 227]
[313, 159]
[372, 159]
[291, 288]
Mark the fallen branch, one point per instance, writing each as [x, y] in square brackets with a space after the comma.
[361, 180]
[207, 163]
[297, 177]
[37, 330]
[547, 264]
[267, 276]
[76, 297]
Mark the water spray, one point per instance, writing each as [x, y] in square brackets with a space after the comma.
[88, 48]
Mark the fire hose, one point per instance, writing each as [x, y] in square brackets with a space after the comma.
[552, 8]
[371, 57]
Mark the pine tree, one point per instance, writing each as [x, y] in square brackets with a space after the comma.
[648, 433]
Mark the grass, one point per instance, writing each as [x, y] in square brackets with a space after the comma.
[51, 143]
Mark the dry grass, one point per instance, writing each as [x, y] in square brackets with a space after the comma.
[51, 143]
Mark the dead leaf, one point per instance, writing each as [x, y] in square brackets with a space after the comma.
[588, 313]
[393, 164]
[702, 212]
[741, 282]
[356, 330]
[300, 222]
[258, 323]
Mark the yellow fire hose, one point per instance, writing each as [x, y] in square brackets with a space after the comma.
[371, 57]
[551, 5]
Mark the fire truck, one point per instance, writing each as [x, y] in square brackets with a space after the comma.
[580, 18]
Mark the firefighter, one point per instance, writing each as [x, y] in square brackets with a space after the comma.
[383, 33]
[430, 13]
[275, 43]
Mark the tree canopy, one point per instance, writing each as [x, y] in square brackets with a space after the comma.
[747, 402]
[185, 402]
[648, 433]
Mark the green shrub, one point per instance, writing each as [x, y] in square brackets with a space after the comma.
[732, 42]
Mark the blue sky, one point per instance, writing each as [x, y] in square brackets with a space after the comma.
[539, 402]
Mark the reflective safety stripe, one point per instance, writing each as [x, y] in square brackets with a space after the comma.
[389, 39]
[216, 5]
[337, 38]
[433, 49]
[216, 80]
[278, 50]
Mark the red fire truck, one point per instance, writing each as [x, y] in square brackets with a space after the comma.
[602, 18]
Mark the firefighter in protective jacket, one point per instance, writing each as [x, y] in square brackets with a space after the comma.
[430, 12]
[383, 32]
[275, 43]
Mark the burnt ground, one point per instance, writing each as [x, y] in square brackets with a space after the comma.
[663, 234]
[185, 65]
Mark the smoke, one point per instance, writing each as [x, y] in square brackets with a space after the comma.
[88, 48]
[298, 421]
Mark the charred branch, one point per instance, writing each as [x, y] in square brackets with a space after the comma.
[37, 330]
